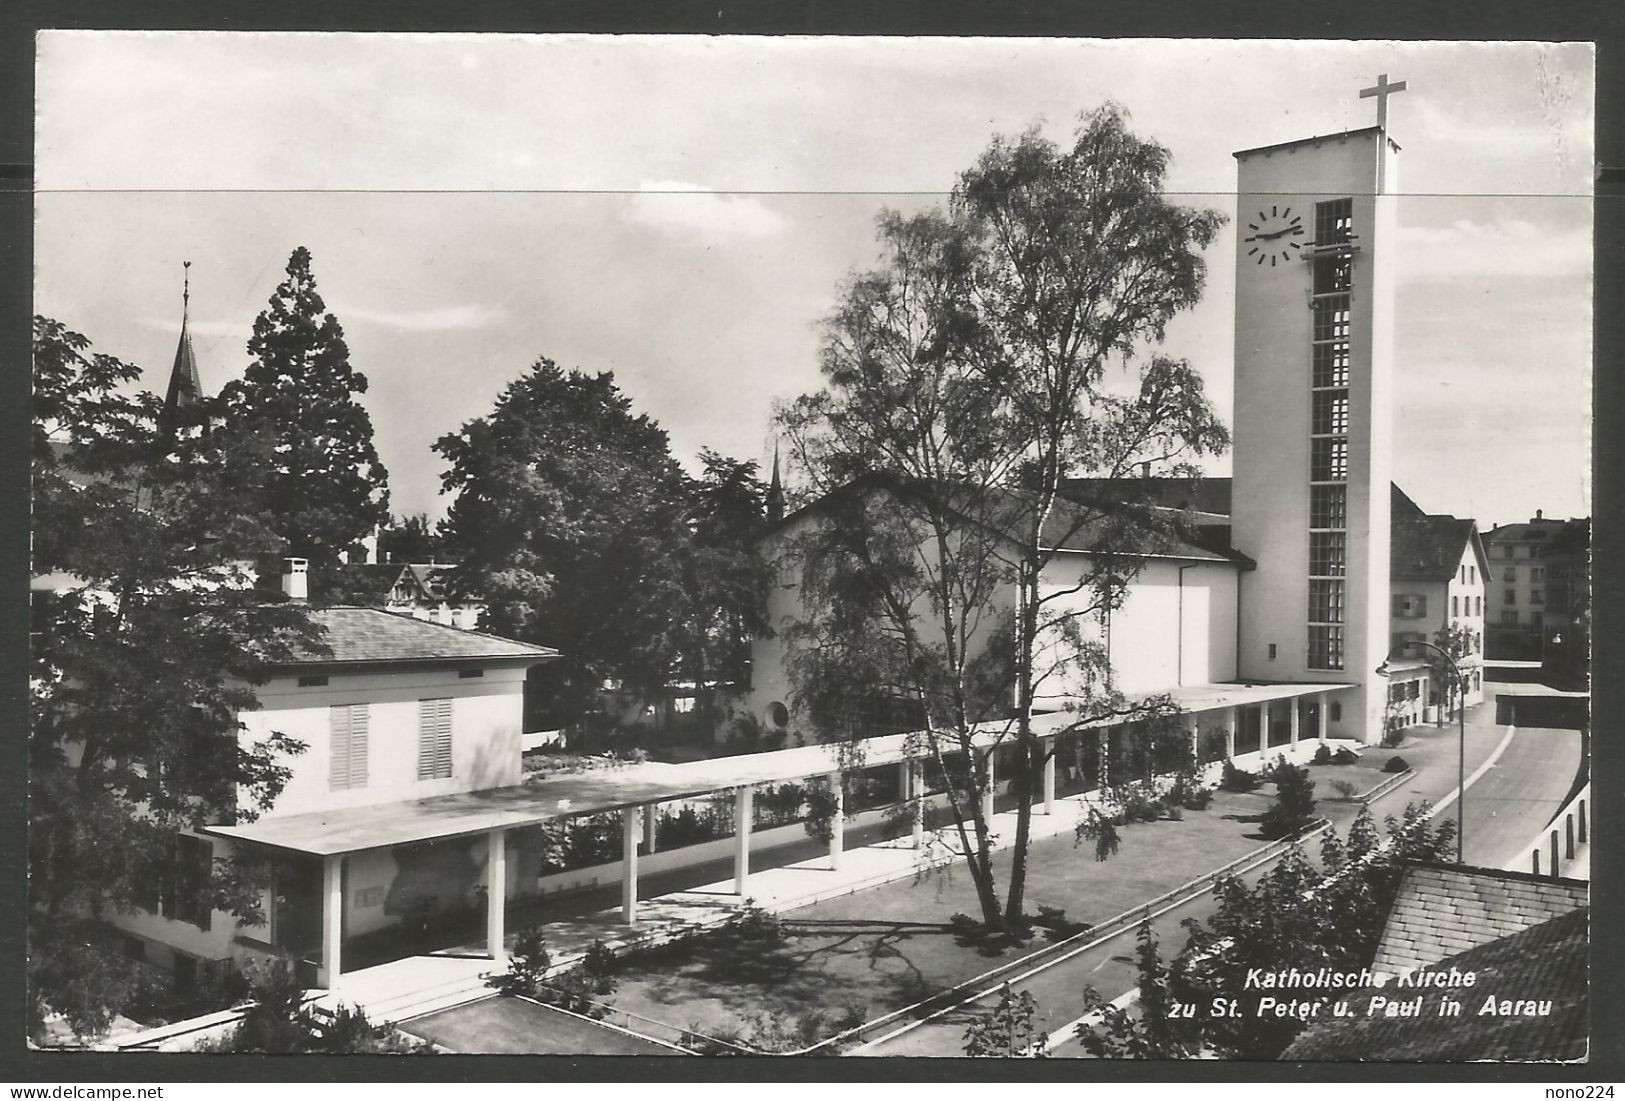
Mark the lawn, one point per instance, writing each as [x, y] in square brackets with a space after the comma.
[890, 947]
[507, 1026]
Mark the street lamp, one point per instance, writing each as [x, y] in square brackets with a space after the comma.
[1461, 748]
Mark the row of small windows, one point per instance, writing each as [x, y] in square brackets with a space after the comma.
[1509, 618]
[1475, 605]
[1536, 573]
[1328, 460]
[1330, 413]
[1333, 283]
[349, 739]
[1536, 596]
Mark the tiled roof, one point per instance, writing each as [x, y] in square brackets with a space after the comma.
[1442, 910]
[366, 582]
[1544, 963]
[372, 635]
[1428, 548]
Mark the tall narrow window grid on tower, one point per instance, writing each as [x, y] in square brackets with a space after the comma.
[1331, 306]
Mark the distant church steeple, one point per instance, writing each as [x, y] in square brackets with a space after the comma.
[775, 492]
[185, 391]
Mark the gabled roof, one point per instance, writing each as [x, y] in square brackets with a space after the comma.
[1204, 494]
[1543, 962]
[1429, 548]
[1442, 910]
[367, 583]
[374, 637]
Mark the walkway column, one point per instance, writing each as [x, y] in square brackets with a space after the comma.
[1324, 714]
[629, 863]
[1293, 707]
[917, 793]
[332, 920]
[837, 822]
[744, 805]
[1053, 745]
[1196, 738]
[987, 794]
[650, 817]
[905, 773]
[1230, 734]
[496, 895]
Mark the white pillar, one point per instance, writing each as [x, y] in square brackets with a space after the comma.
[987, 795]
[1196, 738]
[744, 803]
[917, 793]
[1051, 744]
[332, 919]
[650, 817]
[1105, 739]
[837, 822]
[1230, 734]
[629, 863]
[905, 772]
[1323, 712]
[1293, 706]
[496, 895]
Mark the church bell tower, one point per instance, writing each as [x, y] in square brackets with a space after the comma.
[1315, 225]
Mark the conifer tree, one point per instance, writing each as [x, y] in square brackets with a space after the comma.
[324, 487]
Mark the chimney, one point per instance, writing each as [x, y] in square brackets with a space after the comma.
[295, 579]
[1145, 470]
[1538, 514]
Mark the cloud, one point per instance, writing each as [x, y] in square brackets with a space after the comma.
[673, 205]
[1467, 248]
[442, 319]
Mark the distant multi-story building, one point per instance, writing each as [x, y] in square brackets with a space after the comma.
[1540, 577]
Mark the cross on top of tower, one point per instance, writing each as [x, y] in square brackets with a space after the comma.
[1382, 90]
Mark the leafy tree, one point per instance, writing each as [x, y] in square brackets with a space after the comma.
[1457, 640]
[141, 661]
[1154, 1032]
[1007, 1031]
[409, 539]
[567, 514]
[999, 348]
[321, 482]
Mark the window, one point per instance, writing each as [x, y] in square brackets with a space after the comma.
[1331, 413]
[1511, 597]
[1328, 460]
[1325, 601]
[1328, 553]
[1325, 647]
[1537, 596]
[1413, 689]
[347, 760]
[1472, 575]
[1455, 607]
[1331, 318]
[1509, 618]
[1272, 651]
[1536, 573]
[1334, 274]
[1336, 710]
[312, 682]
[469, 674]
[1334, 222]
[1410, 605]
[778, 715]
[1328, 506]
[1509, 574]
[194, 865]
[434, 739]
[1331, 364]
[1536, 621]
[1478, 605]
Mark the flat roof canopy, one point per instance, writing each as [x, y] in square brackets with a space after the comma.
[354, 829]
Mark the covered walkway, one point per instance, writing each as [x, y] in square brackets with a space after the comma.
[635, 790]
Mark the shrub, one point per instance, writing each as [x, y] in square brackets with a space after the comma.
[1175, 812]
[1344, 756]
[1053, 920]
[1395, 764]
[1238, 779]
[756, 923]
[1345, 790]
[1188, 794]
[1294, 806]
[602, 967]
[1102, 830]
[1323, 755]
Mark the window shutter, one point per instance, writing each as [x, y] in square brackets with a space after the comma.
[358, 746]
[1421, 606]
[338, 765]
[434, 739]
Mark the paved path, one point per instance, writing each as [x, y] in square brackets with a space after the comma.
[1505, 807]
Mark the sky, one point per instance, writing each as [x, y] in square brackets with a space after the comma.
[682, 212]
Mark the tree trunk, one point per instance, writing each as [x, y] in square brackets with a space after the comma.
[1027, 642]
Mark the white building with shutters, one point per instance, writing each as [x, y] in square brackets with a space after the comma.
[401, 709]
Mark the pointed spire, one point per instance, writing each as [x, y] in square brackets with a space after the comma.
[775, 491]
[185, 387]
